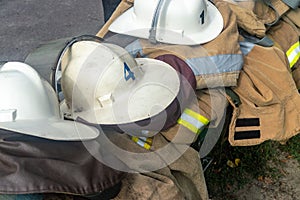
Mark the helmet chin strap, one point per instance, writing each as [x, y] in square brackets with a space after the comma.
[152, 36]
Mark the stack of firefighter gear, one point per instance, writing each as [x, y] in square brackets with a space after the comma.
[257, 70]
[207, 68]
[162, 165]
[208, 65]
[250, 61]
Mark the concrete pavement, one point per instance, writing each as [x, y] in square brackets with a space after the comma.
[27, 23]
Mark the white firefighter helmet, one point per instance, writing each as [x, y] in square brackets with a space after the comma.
[29, 105]
[189, 22]
[103, 84]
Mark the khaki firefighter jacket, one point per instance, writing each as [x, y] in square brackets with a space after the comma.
[181, 178]
[286, 37]
[269, 108]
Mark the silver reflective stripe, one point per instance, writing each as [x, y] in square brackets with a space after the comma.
[292, 3]
[202, 65]
[216, 64]
[141, 143]
[246, 47]
[293, 54]
[192, 120]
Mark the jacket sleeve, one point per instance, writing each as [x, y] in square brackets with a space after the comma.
[200, 108]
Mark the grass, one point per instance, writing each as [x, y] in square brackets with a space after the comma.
[292, 147]
[224, 177]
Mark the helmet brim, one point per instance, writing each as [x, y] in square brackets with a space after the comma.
[48, 125]
[128, 24]
[53, 129]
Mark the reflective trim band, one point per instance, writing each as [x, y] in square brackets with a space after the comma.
[216, 64]
[293, 54]
[292, 3]
[201, 65]
[246, 47]
[141, 143]
[197, 116]
[147, 140]
[188, 125]
[193, 121]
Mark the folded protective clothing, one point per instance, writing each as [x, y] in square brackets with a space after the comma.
[294, 16]
[270, 101]
[208, 105]
[247, 20]
[286, 37]
[181, 179]
[221, 66]
[269, 11]
[255, 17]
[34, 165]
[296, 76]
[212, 104]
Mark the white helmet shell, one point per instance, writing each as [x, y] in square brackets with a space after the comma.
[103, 84]
[29, 105]
[189, 22]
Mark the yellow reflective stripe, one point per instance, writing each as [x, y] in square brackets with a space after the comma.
[188, 125]
[293, 54]
[193, 121]
[141, 142]
[197, 116]
[293, 47]
[147, 140]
